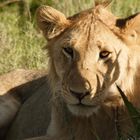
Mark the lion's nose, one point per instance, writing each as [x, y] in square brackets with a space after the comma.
[79, 95]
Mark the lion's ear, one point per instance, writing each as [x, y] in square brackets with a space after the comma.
[51, 21]
[130, 29]
[126, 28]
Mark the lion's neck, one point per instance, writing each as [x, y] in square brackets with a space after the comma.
[65, 125]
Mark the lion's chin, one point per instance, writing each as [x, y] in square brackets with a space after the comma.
[82, 110]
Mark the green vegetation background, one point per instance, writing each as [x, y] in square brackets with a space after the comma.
[21, 43]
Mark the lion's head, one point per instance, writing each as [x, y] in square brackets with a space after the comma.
[89, 53]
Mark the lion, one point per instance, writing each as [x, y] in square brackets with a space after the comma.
[89, 54]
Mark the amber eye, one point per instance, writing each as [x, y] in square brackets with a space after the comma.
[68, 51]
[104, 54]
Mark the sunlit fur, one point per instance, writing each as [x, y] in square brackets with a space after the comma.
[88, 33]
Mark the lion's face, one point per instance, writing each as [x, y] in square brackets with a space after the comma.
[87, 66]
[87, 59]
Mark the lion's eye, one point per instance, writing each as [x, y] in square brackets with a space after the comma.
[104, 54]
[68, 51]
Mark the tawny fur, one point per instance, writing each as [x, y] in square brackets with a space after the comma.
[89, 33]
[103, 114]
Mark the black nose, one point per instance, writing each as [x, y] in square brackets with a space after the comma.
[79, 95]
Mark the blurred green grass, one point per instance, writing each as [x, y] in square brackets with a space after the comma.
[21, 44]
[20, 47]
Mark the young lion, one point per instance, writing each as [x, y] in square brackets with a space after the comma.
[89, 53]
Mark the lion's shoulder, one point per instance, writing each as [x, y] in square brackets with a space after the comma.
[17, 87]
[35, 112]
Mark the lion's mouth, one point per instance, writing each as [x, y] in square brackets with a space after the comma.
[82, 109]
[84, 105]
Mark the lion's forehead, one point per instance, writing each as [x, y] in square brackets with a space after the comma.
[88, 33]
